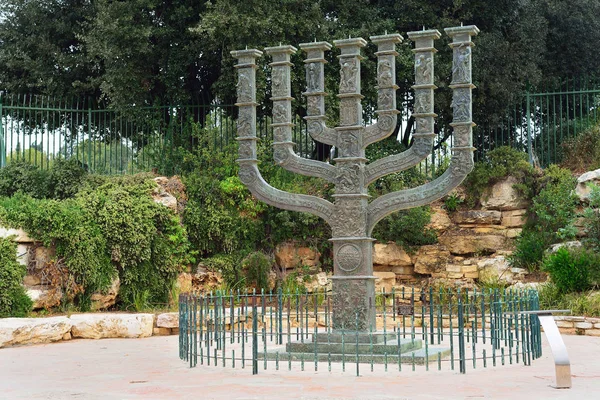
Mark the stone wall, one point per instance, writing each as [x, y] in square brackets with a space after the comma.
[571, 325]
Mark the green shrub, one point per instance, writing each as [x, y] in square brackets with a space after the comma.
[530, 246]
[572, 270]
[408, 228]
[65, 179]
[452, 201]
[500, 163]
[14, 302]
[228, 265]
[584, 303]
[256, 267]
[21, 176]
[592, 218]
[582, 152]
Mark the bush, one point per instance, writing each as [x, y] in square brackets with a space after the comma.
[572, 270]
[256, 267]
[21, 176]
[584, 303]
[500, 163]
[65, 179]
[14, 302]
[530, 246]
[582, 152]
[408, 228]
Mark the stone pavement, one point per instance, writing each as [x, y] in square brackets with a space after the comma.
[150, 369]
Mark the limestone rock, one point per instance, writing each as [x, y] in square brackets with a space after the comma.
[390, 254]
[20, 236]
[32, 280]
[104, 300]
[495, 269]
[288, 256]
[205, 280]
[100, 326]
[384, 281]
[431, 259]
[20, 331]
[45, 297]
[582, 190]
[575, 244]
[160, 196]
[167, 320]
[318, 283]
[470, 244]
[503, 196]
[479, 217]
[43, 256]
[184, 282]
[514, 218]
[440, 221]
[23, 253]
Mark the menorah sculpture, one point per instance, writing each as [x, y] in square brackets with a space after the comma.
[351, 216]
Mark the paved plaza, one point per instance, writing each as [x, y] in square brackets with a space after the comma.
[150, 369]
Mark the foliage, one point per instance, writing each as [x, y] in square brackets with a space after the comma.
[592, 218]
[407, 228]
[581, 303]
[554, 206]
[14, 302]
[21, 176]
[582, 152]
[112, 226]
[31, 155]
[530, 246]
[452, 201]
[256, 267]
[65, 179]
[228, 266]
[501, 162]
[572, 270]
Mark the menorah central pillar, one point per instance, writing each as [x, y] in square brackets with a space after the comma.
[351, 215]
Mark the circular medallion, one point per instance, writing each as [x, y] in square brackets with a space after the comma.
[349, 257]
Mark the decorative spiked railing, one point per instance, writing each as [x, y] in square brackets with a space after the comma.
[351, 216]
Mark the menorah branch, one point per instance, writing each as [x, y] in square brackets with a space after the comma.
[249, 173]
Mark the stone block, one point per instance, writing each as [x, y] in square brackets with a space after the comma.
[454, 268]
[492, 229]
[45, 297]
[592, 332]
[597, 325]
[23, 256]
[67, 336]
[167, 320]
[384, 281]
[582, 190]
[431, 259]
[390, 254]
[477, 217]
[21, 331]
[100, 326]
[439, 220]
[161, 331]
[503, 196]
[472, 275]
[469, 268]
[289, 256]
[462, 244]
[512, 233]
[107, 298]
[564, 324]
[514, 218]
[583, 325]
[568, 331]
[455, 275]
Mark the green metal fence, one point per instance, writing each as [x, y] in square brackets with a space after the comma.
[542, 121]
[40, 129]
[416, 328]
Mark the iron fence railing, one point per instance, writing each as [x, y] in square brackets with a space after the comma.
[427, 329]
[40, 129]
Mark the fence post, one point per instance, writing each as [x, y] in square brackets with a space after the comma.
[2, 143]
[528, 111]
[254, 336]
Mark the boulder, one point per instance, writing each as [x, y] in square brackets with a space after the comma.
[439, 221]
[160, 196]
[470, 243]
[575, 244]
[582, 189]
[20, 331]
[31, 280]
[20, 236]
[100, 326]
[24, 253]
[477, 217]
[104, 300]
[289, 256]
[514, 218]
[384, 281]
[205, 280]
[495, 269]
[390, 254]
[318, 283]
[45, 297]
[503, 196]
[184, 282]
[431, 259]
[167, 320]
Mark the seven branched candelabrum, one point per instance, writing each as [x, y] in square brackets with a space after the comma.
[351, 215]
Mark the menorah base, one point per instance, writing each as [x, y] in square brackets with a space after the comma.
[353, 303]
